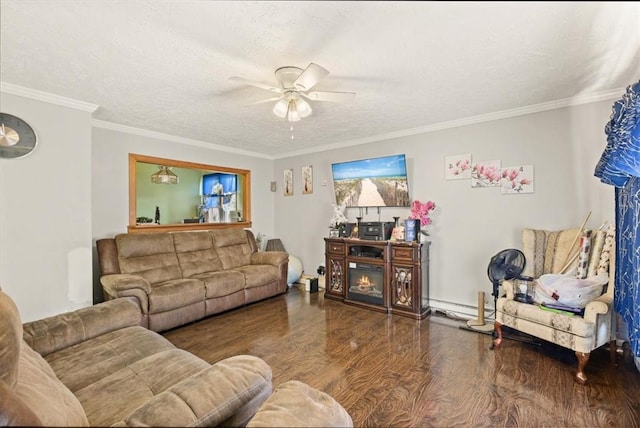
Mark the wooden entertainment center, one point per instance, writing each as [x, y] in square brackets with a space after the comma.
[385, 276]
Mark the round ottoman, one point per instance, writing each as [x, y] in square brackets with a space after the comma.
[296, 404]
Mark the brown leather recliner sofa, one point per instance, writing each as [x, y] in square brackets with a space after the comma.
[180, 277]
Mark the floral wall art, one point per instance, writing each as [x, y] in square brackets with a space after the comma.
[511, 180]
[288, 182]
[457, 167]
[517, 179]
[307, 179]
[486, 174]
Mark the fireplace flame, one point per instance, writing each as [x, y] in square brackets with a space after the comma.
[365, 282]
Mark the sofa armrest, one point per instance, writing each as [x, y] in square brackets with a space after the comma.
[125, 285]
[211, 397]
[599, 306]
[507, 285]
[275, 258]
[61, 331]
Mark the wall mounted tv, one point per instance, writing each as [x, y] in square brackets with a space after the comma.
[374, 182]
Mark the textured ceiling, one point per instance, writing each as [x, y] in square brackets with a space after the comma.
[164, 66]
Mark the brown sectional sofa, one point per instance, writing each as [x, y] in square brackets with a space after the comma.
[97, 366]
[179, 277]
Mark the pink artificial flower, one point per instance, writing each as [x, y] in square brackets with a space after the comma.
[421, 211]
[512, 174]
[463, 164]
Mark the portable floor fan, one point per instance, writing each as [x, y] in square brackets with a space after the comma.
[507, 264]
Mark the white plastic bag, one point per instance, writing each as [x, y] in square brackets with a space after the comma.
[568, 290]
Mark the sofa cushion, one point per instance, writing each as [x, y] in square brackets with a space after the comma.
[196, 253]
[175, 294]
[51, 334]
[89, 361]
[533, 247]
[558, 250]
[546, 251]
[14, 411]
[32, 381]
[10, 339]
[227, 393]
[296, 404]
[220, 284]
[232, 246]
[115, 396]
[257, 275]
[49, 399]
[575, 325]
[150, 255]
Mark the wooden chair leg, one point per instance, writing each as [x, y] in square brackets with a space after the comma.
[497, 328]
[583, 357]
[613, 350]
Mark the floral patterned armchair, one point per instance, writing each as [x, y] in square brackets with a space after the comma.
[546, 252]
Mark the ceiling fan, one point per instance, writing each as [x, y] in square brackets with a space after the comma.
[295, 85]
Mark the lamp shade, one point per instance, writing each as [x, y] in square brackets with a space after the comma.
[303, 107]
[164, 176]
[281, 107]
[292, 114]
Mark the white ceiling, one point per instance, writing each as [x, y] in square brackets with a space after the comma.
[164, 66]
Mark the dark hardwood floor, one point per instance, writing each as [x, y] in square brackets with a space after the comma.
[395, 371]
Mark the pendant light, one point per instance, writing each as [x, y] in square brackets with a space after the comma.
[164, 176]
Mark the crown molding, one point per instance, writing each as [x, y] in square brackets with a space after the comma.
[10, 88]
[174, 139]
[34, 94]
[504, 114]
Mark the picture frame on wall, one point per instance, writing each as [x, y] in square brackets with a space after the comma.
[517, 180]
[307, 179]
[486, 174]
[457, 167]
[288, 182]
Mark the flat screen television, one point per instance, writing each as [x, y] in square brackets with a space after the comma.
[374, 182]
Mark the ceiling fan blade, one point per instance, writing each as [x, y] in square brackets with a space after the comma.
[256, 84]
[310, 76]
[335, 97]
[268, 100]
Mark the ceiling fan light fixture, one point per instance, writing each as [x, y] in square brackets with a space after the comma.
[164, 176]
[292, 114]
[281, 108]
[303, 107]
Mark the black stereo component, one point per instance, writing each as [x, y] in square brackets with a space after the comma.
[366, 251]
[346, 230]
[375, 230]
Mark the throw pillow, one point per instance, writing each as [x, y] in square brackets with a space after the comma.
[583, 255]
[596, 252]
[603, 265]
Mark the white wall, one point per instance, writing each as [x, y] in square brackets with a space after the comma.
[470, 225]
[110, 183]
[73, 189]
[45, 211]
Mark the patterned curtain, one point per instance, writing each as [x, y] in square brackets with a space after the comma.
[619, 166]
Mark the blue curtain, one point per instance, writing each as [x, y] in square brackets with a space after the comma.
[619, 166]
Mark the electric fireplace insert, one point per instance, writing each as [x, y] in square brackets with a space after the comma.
[366, 283]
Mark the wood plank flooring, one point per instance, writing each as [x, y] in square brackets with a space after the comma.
[399, 372]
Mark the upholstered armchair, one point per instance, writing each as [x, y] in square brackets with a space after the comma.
[546, 252]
